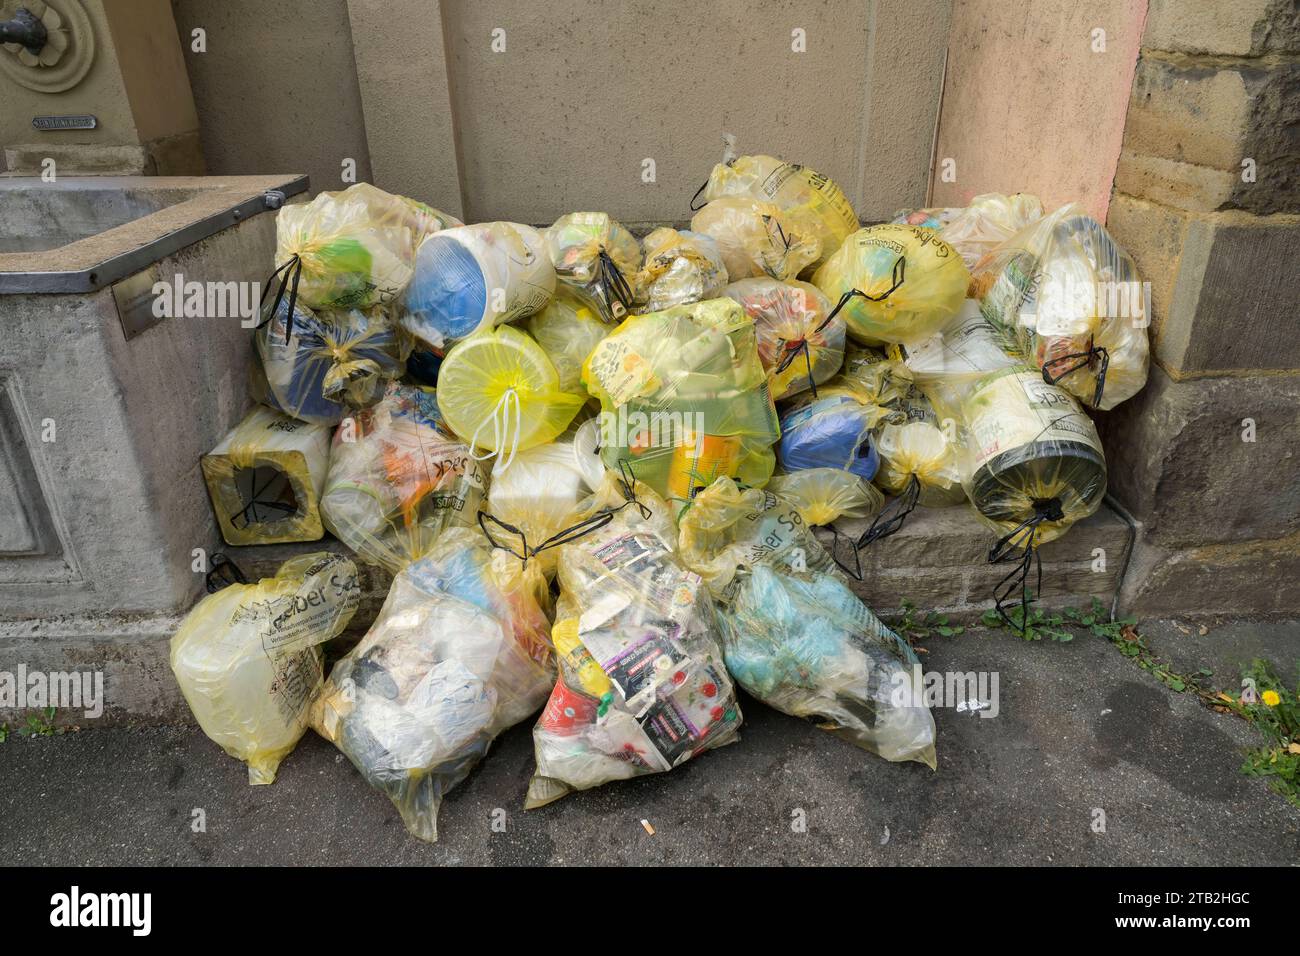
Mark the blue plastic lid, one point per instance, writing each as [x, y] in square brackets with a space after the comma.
[447, 294]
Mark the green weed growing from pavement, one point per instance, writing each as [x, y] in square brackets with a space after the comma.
[1274, 710]
[42, 724]
[914, 625]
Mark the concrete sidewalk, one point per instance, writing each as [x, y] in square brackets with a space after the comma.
[1079, 728]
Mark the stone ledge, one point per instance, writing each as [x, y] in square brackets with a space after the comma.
[939, 561]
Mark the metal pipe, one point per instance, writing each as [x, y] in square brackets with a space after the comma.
[26, 29]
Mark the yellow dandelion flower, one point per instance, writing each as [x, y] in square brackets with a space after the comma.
[1271, 698]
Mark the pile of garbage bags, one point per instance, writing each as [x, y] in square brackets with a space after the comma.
[592, 464]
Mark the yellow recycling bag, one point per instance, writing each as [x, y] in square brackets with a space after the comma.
[1071, 300]
[498, 391]
[398, 479]
[802, 193]
[248, 660]
[894, 283]
[684, 398]
[757, 238]
[355, 248]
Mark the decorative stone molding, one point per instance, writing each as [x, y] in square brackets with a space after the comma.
[68, 52]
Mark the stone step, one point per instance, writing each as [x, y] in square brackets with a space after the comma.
[938, 560]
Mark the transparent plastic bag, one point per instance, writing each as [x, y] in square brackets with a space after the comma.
[498, 391]
[595, 255]
[1072, 301]
[684, 398]
[757, 238]
[874, 377]
[680, 268]
[332, 361]
[398, 478]
[248, 660]
[458, 653]
[794, 635]
[642, 686]
[945, 367]
[542, 488]
[824, 495]
[832, 430]
[1033, 455]
[265, 479]
[920, 453]
[799, 343]
[975, 230]
[797, 190]
[471, 278]
[894, 283]
[567, 330]
[1033, 467]
[354, 248]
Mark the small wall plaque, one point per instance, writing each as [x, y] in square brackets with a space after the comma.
[83, 121]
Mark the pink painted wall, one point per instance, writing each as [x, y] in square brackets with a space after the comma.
[1029, 106]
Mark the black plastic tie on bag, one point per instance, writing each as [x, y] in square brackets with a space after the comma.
[899, 276]
[292, 273]
[222, 573]
[892, 516]
[1081, 360]
[526, 552]
[614, 286]
[572, 533]
[627, 484]
[1022, 537]
[792, 349]
[854, 572]
[695, 208]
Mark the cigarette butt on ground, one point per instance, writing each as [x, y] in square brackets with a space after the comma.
[648, 828]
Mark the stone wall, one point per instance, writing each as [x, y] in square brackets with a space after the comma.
[1207, 200]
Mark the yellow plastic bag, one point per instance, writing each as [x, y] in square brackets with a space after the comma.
[797, 190]
[543, 487]
[248, 660]
[921, 454]
[680, 268]
[458, 653]
[330, 363]
[355, 248]
[567, 330]
[1071, 300]
[1034, 466]
[794, 635]
[1034, 460]
[642, 686]
[684, 398]
[799, 343]
[499, 392]
[757, 238]
[595, 255]
[894, 283]
[976, 230]
[398, 479]
[824, 495]
[265, 479]
[873, 376]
